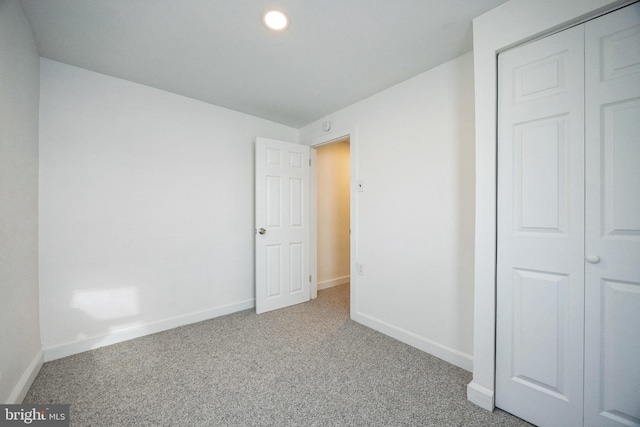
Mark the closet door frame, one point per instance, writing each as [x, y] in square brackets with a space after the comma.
[528, 20]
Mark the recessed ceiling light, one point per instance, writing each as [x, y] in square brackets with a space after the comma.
[275, 20]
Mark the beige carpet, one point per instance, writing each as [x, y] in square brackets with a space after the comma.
[306, 365]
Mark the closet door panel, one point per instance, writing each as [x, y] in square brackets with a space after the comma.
[612, 287]
[540, 272]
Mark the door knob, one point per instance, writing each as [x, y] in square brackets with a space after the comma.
[593, 259]
[262, 231]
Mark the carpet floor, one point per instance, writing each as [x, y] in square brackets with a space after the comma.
[305, 365]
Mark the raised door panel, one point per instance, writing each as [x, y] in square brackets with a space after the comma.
[620, 147]
[619, 386]
[541, 169]
[274, 202]
[540, 78]
[296, 268]
[274, 271]
[540, 313]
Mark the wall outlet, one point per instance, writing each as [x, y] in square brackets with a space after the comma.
[360, 268]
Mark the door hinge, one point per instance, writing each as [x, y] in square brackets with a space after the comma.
[309, 162]
[309, 278]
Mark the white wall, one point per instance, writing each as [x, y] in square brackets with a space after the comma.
[332, 169]
[146, 209]
[20, 354]
[513, 23]
[414, 236]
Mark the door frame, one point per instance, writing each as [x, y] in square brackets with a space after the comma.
[549, 17]
[325, 139]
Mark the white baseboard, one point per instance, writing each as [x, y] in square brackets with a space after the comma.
[23, 385]
[448, 354]
[64, 350]
[334, 282]
[481, 396]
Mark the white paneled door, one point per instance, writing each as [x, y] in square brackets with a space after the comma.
[540, 270]
[282, 224]
[568, 273]
[612, 247]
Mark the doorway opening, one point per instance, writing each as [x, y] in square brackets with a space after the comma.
[333, 216]
[333, 211]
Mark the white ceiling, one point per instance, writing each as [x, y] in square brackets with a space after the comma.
[335, 52]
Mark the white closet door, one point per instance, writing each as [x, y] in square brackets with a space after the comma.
[540, 271]
[612, 329]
